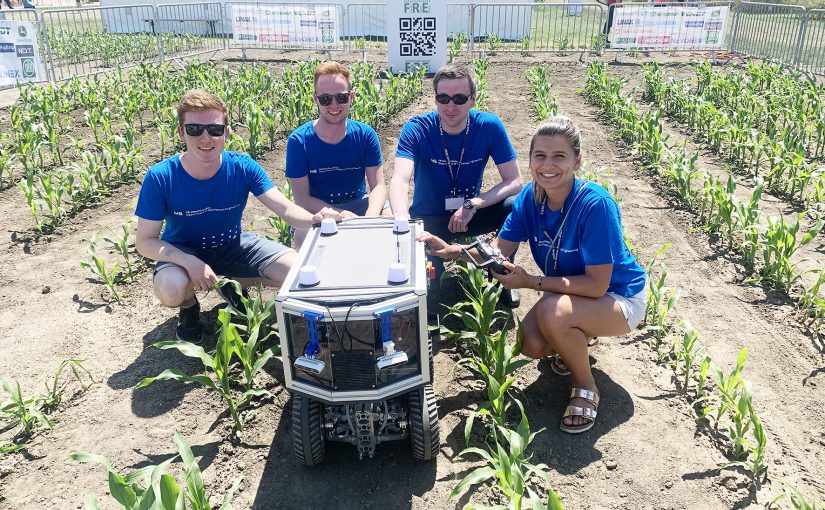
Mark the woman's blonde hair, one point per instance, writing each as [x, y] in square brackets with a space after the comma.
[558, 125]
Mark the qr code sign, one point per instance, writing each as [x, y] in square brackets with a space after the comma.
[417, 37]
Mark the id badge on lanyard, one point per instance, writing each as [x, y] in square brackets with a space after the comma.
[453, 202]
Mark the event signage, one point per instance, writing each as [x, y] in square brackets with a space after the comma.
[285, 25]
[671, 26]
[416, 34]
[19, 58]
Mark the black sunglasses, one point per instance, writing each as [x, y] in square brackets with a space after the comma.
[457, 99]
[326, 99]
[212, 129]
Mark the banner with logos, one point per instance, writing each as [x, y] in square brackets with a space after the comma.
[669, 26]
[286, 25]
[19, 56]
[416, 34]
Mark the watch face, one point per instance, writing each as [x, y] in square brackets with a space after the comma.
[468, 204]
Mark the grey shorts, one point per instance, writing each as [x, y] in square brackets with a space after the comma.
[246, 258]
[633, 307]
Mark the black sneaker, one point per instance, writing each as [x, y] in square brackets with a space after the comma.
[511, 298]
[228, 293]
[189, 327]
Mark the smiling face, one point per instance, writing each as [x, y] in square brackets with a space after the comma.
[204, 149]
[454, 116]
[334, 113]
[553, 164]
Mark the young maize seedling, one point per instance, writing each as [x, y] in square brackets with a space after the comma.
[780, 243]
[681, 172]
[687, 350]
[254, 331]
[456, 45]
[494, 42]
[797, 500]
[506, 463]
[109, 277]
[728, 387]
[217, 365]
[25, 414]
[151, 488]
[123, 246]
[700, 392]
[54, 389]
[661, 301]
[743, 419]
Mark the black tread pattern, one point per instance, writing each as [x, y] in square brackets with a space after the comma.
[307, 437]
[424, 431]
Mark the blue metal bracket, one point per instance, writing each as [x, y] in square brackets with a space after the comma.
[385, 314]
[312, 318]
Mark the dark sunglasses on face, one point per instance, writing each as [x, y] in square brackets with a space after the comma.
[326, 99]
[458, 99]
[212, 129]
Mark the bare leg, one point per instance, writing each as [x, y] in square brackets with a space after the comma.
[173, 288]
[275, 273]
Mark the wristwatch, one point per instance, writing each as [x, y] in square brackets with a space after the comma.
[468, 204]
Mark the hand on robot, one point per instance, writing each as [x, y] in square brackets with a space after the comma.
[438, 247]
[348, 214]
[326, 212]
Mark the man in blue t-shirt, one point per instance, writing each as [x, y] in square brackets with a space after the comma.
[445, 152]
[200, 195]
[330, 160]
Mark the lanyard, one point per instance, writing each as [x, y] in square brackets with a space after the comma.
[453, 175]
[555, 241]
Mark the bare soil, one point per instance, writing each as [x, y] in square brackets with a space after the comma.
[647, 450]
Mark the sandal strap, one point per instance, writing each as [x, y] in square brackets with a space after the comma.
[584, 412]
[590, 396]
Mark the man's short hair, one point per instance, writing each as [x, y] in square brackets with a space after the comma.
[197, 100]
[331, 68]
[453, 71]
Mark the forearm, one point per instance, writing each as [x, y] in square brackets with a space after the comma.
[297, 216]
[161, 251]
[311, 204]
[398, 197]
[581, 285]
[498, 193]
[376, 200]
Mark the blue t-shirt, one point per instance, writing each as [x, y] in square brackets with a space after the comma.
[420, 140]
[591, 234]
[201, 213]
[337, 172]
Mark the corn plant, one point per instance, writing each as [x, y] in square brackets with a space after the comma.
[480, 66]
[652, 145]
[507, 464]
[661, 301]
[55, 389]
[109, 277]
[23, 413]
[728, 388]
[797, 500]
[780, 243]
[544, 103]
[744, 419]
[150, 487]
[456, 45]
[812, 304]
[680, 172]
[700, 392]
[123, 245]
[524, 44]
[217, 374]
[253, 332]
[748, 224]
[494, 42]
[286, 234]
[686, 351]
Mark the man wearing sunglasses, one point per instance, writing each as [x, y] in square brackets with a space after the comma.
[197, 199]
[331, 160]
[445, 152]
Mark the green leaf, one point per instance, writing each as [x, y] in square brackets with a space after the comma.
[227, 498]
[188, 349]
[91, 503]
[174, 374]
[121, 491]
[476, 476]
[171, 496]
[90, 457]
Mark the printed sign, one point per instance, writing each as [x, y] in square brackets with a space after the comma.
[416, 34]
[671, 26]
[285, 25]
[19, 57]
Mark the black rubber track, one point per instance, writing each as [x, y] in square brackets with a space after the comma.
[307, 437]
[424, 423]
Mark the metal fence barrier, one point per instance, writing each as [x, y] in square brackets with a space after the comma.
[190, 29]
[771, 31]
[811, 54]
[83, 41]
[537, 27]
[307, 39]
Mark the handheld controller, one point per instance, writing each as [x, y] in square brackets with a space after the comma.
[493, 258]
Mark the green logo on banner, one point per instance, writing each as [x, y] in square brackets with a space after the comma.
[22, 31]
[326, 36]
[29, 70]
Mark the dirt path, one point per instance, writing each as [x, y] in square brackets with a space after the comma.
[646, 451]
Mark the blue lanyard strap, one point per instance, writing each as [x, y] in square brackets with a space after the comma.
[454, 175]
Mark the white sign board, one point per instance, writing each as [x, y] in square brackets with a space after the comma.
[19, 57]
[671, 26]
[285, 25]
[416, 34]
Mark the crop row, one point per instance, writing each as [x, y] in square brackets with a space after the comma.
[120, 110]
[768, 245]
[777, 154]
[71, 47]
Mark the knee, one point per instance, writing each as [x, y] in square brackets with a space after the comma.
[171, 289]
[535, 346]
[277, 271]
[554, 314]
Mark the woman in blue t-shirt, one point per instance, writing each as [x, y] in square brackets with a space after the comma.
[592, 284]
